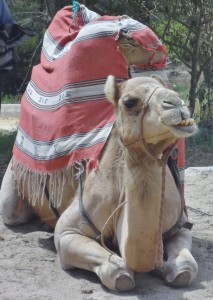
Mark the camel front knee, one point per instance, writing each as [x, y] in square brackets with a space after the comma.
[13, 211]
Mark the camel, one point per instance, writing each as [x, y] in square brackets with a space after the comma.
[126, 214]
[117, 219]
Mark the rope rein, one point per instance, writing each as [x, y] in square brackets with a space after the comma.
[159, 248]
[105, 225]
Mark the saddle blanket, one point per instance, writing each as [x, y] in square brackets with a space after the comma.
[65, 118]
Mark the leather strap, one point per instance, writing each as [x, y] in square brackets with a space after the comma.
[175, 173]
[55, 211]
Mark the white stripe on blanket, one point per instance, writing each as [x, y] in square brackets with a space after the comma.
[52, 101]
[40, 150]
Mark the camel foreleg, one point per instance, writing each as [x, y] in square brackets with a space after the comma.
[180, 268]
[75, 250]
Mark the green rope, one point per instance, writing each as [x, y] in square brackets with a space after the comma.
[75, 6]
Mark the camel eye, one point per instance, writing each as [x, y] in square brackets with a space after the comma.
[131, 102]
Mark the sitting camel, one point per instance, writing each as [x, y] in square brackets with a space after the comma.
[130, 201]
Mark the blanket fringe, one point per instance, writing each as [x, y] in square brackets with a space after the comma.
[30, 184]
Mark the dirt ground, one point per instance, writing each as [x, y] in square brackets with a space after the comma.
[29, 268]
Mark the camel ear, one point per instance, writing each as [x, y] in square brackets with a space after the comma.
[159, 79]
[111, 90]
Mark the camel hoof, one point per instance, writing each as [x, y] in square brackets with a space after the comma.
[124, 283]
[182, 280]
[115, 275]
[180, 272]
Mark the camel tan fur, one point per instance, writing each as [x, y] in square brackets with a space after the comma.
[122, 197]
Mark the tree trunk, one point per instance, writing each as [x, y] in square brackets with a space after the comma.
[208, 78]
[51, 9]
[195, 75]
[192, 91]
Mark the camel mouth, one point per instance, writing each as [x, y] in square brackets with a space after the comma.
[186, 126]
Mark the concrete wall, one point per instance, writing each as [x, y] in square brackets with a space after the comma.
[10, 110]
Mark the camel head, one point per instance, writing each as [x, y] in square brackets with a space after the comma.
[146, 109]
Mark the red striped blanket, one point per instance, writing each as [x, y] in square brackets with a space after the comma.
[65, 117]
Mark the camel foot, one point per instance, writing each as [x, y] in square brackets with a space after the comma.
[115, 275]
[179, 271]
[182, 280]
[124, 283]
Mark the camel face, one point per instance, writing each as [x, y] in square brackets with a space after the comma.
[146, 107]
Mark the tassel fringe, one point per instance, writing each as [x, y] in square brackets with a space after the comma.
[30, 184]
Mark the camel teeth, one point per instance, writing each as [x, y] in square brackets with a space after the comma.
[191, 122]
[187, 122]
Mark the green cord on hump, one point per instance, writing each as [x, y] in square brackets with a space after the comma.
[75, 6]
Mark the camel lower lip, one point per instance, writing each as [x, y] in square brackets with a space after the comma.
[189, 128]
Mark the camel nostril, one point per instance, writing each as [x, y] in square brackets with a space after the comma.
[167, 104]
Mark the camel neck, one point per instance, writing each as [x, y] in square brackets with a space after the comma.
[140, 217]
